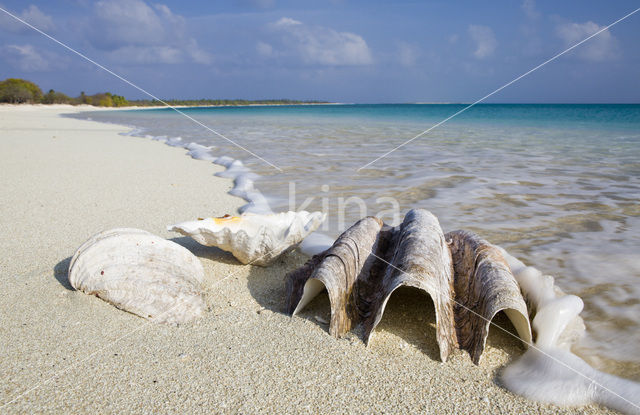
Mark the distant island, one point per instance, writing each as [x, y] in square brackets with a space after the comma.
[21, 91]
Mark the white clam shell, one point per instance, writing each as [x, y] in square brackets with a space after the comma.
[252, 238]
[140, 273]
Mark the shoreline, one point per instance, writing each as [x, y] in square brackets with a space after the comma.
[87, 107]
[67, 179]
[233, 169]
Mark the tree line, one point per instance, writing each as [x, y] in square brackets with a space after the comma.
[21, 91]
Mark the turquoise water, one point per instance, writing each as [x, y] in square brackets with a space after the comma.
[610, 115]
[558, 186]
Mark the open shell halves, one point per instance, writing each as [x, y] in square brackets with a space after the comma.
[140, 273]
[466, 277]
[252, 238]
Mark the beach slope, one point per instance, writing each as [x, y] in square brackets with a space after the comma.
[64, 180]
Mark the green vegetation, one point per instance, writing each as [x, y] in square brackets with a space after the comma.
[19, 91]
[53, 97]
[119, 101]
[106, 100]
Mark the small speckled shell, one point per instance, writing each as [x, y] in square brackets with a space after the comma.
[140, 273]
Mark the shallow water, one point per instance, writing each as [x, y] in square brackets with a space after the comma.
[558, 186]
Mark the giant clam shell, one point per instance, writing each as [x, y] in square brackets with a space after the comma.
[252, 238]
[140, 273]
[467, 278]
[484, 285]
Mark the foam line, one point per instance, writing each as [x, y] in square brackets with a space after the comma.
[175, 142]
[243, 178]
[200, 152]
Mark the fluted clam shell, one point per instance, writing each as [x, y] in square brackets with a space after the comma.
[484, 286]
[252, 238]
[418, 257]
[467, 278]
[140, 273]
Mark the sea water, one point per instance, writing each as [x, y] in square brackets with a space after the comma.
[557, 186]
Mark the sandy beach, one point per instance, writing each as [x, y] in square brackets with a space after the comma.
[64, 180]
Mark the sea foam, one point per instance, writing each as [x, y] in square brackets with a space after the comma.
[200, 152]
[316, 243]
[549, 371]
[243, 178]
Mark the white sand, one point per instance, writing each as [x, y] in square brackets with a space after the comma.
[64, 180]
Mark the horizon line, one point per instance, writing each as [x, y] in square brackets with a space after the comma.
[320, 103]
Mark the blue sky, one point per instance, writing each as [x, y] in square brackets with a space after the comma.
[335, 50]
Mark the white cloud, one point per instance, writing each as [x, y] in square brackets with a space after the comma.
[601, 47]
[264, 49]
[529, 8]
[198, 55]
[484, 39]
[120, 24]
[31, 15]
[135, 31]
[407, 54]
[323, 45]
[286, 21]
[26, 58]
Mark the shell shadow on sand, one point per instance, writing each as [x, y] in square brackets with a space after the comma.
[268, 287]
[410, 318]
[206, 252]
[61, 273]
